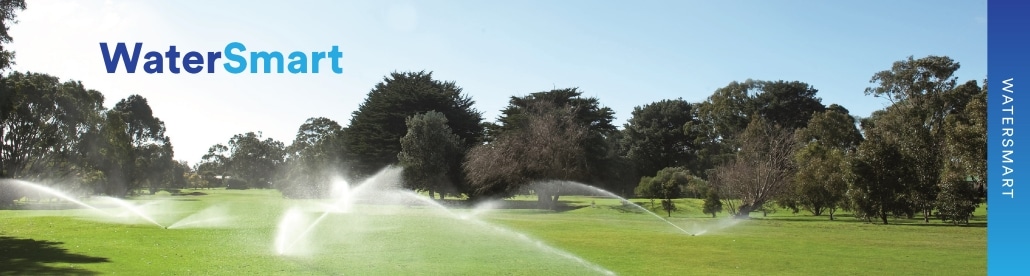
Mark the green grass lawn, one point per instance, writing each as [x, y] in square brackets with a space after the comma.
[421, 240]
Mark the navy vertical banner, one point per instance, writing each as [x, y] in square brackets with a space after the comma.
[1008, 76]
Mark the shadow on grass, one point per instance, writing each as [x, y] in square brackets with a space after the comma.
[836, 219]
[852, 219]
[636, 207]
[190, 194]
[42, 205]
[938, 223]
[562, 206]
[33, 257]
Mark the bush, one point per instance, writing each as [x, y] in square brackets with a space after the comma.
[712, 203]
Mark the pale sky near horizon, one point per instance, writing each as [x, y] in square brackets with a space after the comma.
[626, 53]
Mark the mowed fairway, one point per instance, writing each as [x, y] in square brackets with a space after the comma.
[423, 240]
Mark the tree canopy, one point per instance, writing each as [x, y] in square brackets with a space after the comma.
[313, 160]
[655, 137]
[8, 10]
[249, 159]
[375, 130]
[746, 146]
[431, 154]
[762, 169]
[550, 146]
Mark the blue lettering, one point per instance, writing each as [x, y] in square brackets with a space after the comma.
[172, 54]
[193, 62]
[235, 53]
[298, 63]
[211, 57]
[315, 57]
[120, 54]
[233, 57]
[335, 54]
[255, 56]
[154, 64]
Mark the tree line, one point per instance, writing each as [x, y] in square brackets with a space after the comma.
[749, 147]
[60, 134]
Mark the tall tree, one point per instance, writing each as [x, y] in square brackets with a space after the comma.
[762, 169]
[964, 174]
[725, 114]
[158, 166]
[43, 123]
[820, 184]
[134, 140]
[373, 138]
[821, 180]
[8, 8]
[313, 159]
[112, 151]
[148, 140]
[430, 153]
[586, 112]
[548, 147]
[923, 92]
[181, 174]
[880, 174]
[41, 131]
[655, 136]
[254, 160]
[621, 173]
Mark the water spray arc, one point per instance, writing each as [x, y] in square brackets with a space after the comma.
[120, 203]
[133, 210]
[49, 191]
[344, 201]
[382, 187]
[508, 232]
[621, 199]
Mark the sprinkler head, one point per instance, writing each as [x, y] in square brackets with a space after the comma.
[693, 235]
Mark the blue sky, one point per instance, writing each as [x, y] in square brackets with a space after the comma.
[626, 53]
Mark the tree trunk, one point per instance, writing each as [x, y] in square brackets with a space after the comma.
[713, 214]
[831, 212]
[431, 195]
[883, 216]
[745, 210]
[543, 200]
[2, 167]
[926, 216]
